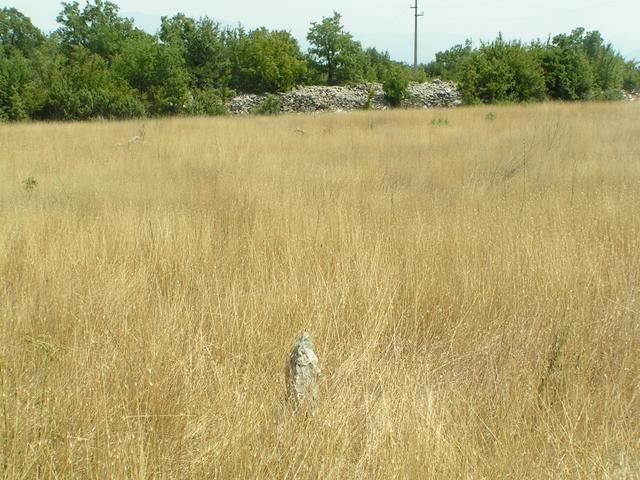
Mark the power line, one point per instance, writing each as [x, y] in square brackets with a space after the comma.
[415, 38]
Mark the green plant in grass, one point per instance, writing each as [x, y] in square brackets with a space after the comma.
[270, 106]
[440, 122]
[29, 184]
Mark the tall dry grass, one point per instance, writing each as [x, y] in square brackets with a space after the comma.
[473, 291]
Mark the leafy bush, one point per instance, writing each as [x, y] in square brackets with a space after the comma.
[396, 87]
[502, 72]
[370, 94]
[15, 75]
[206, 102]
[568, 73]
[612, 95]
[270, 106]
[631, 77]
[87, 88]
[448, 64]
[204, 45]
[157, 72]
[267, 62]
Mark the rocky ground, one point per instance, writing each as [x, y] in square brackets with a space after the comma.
[334, 99]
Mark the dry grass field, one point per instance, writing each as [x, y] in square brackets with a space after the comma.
[472, 287]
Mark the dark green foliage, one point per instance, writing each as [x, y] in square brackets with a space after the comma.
[334, 53]
[15, 76]
[87, 88]
[577, 66]
[581, 66]
[568, 75]
[23, 66]
[203, 44]
[270, 106]
[502, 72]
[607, 65]
[448, 64]
[395, 86]
[267, 61]
[97, 64]
[97, 27]
[157, 71]
[379, 64]
[17, 33]
[206, 102]
[631, 76]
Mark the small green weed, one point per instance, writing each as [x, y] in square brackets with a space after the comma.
[440, 122]
[29, 184]
[490, 117]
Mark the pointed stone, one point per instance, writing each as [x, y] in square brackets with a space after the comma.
[303, 371]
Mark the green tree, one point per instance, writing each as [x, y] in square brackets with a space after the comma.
[379, 65]
[87, 88]
[17, 33]
[97, 27]
[21, 66]
[448, 64]
[568, 74]
[395, 86]
[267, 61]
[203, 46]
[631, 76]
[14, 76]
[607, 65]
[502, 72]
[333, 51]
[158, 72]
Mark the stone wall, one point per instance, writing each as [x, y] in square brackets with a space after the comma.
[354, 97]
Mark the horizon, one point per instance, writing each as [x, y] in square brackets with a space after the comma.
[437, 31]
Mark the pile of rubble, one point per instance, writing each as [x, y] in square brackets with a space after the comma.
[354, 97]
[631, 96]
[434, 94]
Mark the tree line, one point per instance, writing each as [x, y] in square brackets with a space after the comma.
[575, 66]
[98, 64]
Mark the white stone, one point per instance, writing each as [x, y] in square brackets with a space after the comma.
[303, 372]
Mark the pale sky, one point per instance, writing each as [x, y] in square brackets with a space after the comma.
[388, 24]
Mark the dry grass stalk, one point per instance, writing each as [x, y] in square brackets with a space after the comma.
[468, 327]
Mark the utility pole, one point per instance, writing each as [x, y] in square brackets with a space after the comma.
[415, 38]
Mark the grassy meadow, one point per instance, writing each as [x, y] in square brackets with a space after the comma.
[470, 278]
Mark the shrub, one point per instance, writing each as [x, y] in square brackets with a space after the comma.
[270, 106]
[395, 87]
[502, 72]
[267, 62]
[88, 88]
[631, 79]
[370, 94]
[206, 102]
